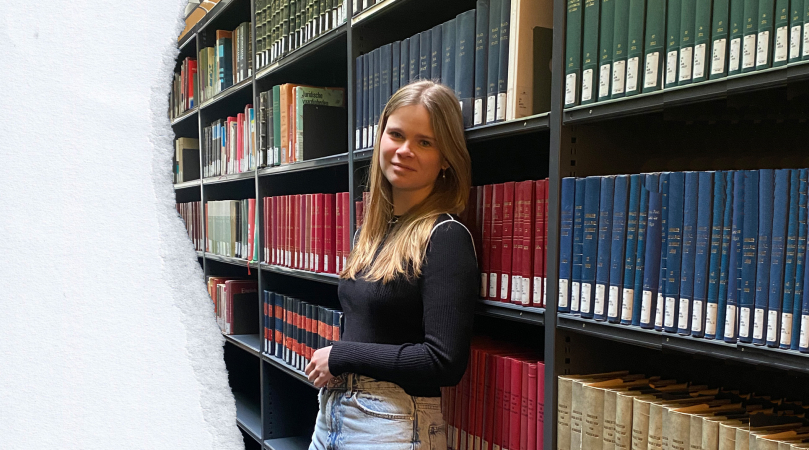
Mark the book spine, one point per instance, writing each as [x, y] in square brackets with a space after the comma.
[540, 221]
[749, 34]
[654, 45]
[688, 9]
[506, 242]
[485, 264]
[568, 195]
[347, 244]
[481, 57]
[618, 243]
[436, 52]
[503, 57]
[496, 242]
[795, 29]
[425, 52]
[573, 41]
[376, 97]
[674, 241]
[640, 252]
[606, 34]
[590, 49]
[716, 255]
[720, 27]
[603, 260]
[635, 38]
[702, 249]
[590, 230]
[780, 52]
[493, 65]
[673, 16]
[702, 39]
[688, 252]
[748, 263]
[765, 211]
[578, 246]
[620, 47]
[465, 65]
[630, 251]
[790, 255]
[385, 55]
[663, 275]
[404, 62]
[448, 54]
[765, 34]
[727, 329]
[395, 60]
[415, 51]
[797, 302]
[736, 22]
[775, 290]
[515, 292]
[652, 258]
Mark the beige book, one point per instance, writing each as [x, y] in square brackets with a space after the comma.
[677, 429]
[798, 446]
[610, 401]
[727, 434]
[623, 419]
[710, 432]
[525, 16]
[658, 439]
[564, 409]
[593, 395]
[640, 421]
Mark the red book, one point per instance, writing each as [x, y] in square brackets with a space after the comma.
[278, 313]
[272, 220]
[251, 229]
[309, 258]
[358, 213]
[506, 241]
[540, 405]
[458, 413]
[532, 406]
[318, 250]
[486, 231]
[545, 244]
[338, 233]
[528, 244]
[490, 385]
[466, 382]
[283, 220]
[495, 257]
[473, 394]
[293, 228]
[346, 229]
[505, 404]
[328, 233]
[524, 428]
[239, 142]
[539, 243]
[480, 397]
[302, 232]
[517, 244]
[514, 403]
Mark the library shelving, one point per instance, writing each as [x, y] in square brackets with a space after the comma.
[747, 121]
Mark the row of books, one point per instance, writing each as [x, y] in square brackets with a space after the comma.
[190, 213]
[234, 304]
[716, 255]
[231, 226]
[623, 411]
[283, 111]
[359, 6]
[186, 159]
[227, 63]
[307, 231]
[293, 329]
[495, 57]
[500, 401]
[618, 48]
[229, 145]
[511, 233]
[184, 88]
[285, 25]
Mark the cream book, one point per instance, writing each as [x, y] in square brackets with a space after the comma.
[525, 16]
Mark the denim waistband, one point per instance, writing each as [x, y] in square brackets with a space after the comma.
[351, 382]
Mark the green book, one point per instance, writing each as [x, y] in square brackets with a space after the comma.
[305, 95]
[736, 33]
[719, 39]
[619, 47]
[673, 13]
[573, 52]
[589, 62]
[702, 40]
[795, 28]
[805, 40]
[764, 41]
[276, 124]
[780, 53]
[654, 44]
[634, 56]
[688, 9]
[749, 34]
[605, 49]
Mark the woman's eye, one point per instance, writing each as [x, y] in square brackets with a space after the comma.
[395, 134]
[426, 143]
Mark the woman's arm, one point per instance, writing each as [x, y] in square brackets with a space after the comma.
[449, 288]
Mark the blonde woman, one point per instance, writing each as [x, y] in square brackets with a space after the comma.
[408, 289]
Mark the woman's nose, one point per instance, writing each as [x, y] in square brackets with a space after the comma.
[404, 150]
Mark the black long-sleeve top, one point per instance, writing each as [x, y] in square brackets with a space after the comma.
[413, 333]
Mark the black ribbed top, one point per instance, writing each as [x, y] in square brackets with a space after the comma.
[413, 333]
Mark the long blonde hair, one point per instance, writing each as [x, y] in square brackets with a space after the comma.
[404, 247]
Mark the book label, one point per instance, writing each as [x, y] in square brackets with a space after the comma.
[618, 77]
[718, 56]
[516, 286]
[805, 45]
[575, 290]
[504, 286]
[599, 303]
[748, 51]
[730, 321]
[483, 288]
[659, 310]
[479, 111]
[646, 307]
[632, 75]
[501, 106]
[758, 324]
[744, 322]
[604, 80]
[626, 306]
[795, 42]
[613, 302]
[762, 50]
[696, 316]
[492, 285]
[650, 74]
[525, 292]
[735, 45]
[686, 58]
[570, 90]
[671, 67]
[786, 329]
[538, 295]
[490, 108]
[326, 264]
[781, 37]
[544, 291]
[682, 316]
[357, 141]
[669, 311]
[804, 336]
[586, 294]
[710, 317]
[699, 61]
[587, 85]
[772, 325]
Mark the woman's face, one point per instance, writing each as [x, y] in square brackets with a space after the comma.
[408, 151]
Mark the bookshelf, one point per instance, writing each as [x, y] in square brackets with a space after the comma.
[718, 124]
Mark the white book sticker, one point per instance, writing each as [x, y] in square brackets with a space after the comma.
[659, 308]
[671, 67]
[501, 106]
[504, 286]
[699, 61]
[598, 310]
[357, 142]
[618, 77]
[786, 329]
[744, 322]
[772, 325]
[525, 291]
[686, 59]
[735, 47]
[570, 89]
[696, 317]
[626, 305]
[795, 42]
[671, 303]
[711, 311]
[326, 266]
[586, 295]
[650, 75]
[491, 105]
[646, 307]
[682, 316]
[538, 293]
[544, 290]
[483, 286]
[492, 285]
[758, 324]
[575, 294]
[763, 48]
[804, 340]
[478, 119]
[730, 321]
[749, 51]
[613, 302]
[604, 75]
[805, 48]
[563, 292]
[781, 44]
[632, 75]
[587, 85]
[516, 286]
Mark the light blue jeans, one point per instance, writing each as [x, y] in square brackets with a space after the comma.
[361, 413]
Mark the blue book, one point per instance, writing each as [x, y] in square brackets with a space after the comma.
[277, 307]
[766, 184]
[592, 192]
[630, 250]
[801, 262]
[780, 217]
[712, 296]
[662, 280]
[735, 257]
[578, 244]
[265, 323]
[640, 252]
[652, 258]
[619, 216]
[724, 263]
[802, 331]
[674, 241]
[750, 235]
[603, 254]
[702, 250]
[688, 252]
[790, 254]
[568, 195]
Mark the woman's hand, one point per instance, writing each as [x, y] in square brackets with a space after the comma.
[318, 368]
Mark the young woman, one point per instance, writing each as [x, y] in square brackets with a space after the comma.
[408, 289]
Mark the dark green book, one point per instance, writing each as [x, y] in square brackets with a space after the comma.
[805, 37]
[720, 27]
[589, 63]
[448, 54]
[673, 14]
[764, 41]
[573, 52]
[620, 46]
[749, 34]
[493, 57]
[688, 10]
[276, 124]
[634, 56]
[502, 70]
[795, 29]
[605, 48]
[481, 59]
[702, 40]
[780, 52]
[736, 34]
[654, 44]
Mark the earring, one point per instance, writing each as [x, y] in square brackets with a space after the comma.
[444, 174]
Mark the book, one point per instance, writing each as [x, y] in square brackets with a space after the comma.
[720, 27]
[590, 51]
[568, 194]
[688, 253]
[750, 235]
[797, 302]
[766, 32]
[578, 244]
[702, 40]
[702, 250]
[795, 29]
[716, 253]
[603, 260]
[652, 256]
[493, 64]
[635, 42]
[790, 261]
[503, 73]
[506, 243]
[590, 228]
[481, 59]
[606, 32]
[749, 34]
[617, 247]
[358, 93]
[687, 35]
[627, 299]
[736, 256]
[781, 48]
[620, 47]
[765, 213]
[425, 55]
[414, 57]
[385, 73]
[465, 64]
[654, 45]
[404, 62]
[573, 49]
[640, 256]
[530, 44]
[447, 54]
[673, 19]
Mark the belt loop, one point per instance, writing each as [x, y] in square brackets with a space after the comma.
[349, 384]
